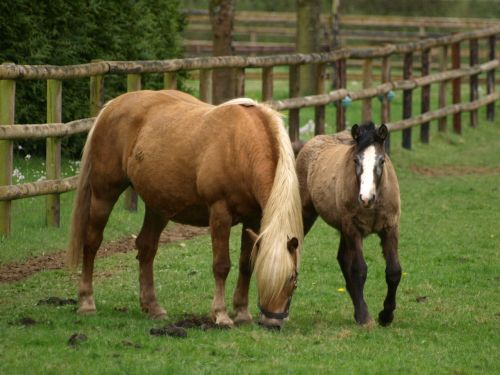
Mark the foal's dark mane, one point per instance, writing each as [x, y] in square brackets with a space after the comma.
[367, 136]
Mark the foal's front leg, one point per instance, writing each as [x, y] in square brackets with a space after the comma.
[389, 240]
[220, 228]
[355, 270]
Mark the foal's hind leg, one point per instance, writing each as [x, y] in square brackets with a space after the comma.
[355, 270]
[389, 241]
[100, 208]
[220, 228]
[147, 245]
[240, 298]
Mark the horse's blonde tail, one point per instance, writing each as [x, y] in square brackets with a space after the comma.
[81, 207]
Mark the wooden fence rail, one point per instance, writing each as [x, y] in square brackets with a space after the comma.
[53, 130]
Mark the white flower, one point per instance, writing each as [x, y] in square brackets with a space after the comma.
[27, 157]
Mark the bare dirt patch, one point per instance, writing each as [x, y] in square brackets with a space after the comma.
[452, 170]
[16, 271]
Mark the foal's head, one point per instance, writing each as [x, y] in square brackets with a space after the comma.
[369, 159]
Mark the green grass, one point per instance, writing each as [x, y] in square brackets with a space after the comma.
[449, 248]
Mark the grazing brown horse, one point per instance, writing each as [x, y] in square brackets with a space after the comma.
[197, 164]
[350, 182]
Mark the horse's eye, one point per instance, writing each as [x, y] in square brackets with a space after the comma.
[356, 161]
[382, 161]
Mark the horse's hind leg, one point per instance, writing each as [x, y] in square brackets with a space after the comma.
[100, 208]
[389, 241]
[355, 270]
[240, 298]
[147, 245]
[220, 228]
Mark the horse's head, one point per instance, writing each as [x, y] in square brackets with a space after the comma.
[369, 159]
[276, 291]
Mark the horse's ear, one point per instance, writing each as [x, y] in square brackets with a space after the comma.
[292, 245]
[355, 132]
[253, 236]
[382, 132]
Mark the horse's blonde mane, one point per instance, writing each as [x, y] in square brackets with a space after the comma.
[281, 219]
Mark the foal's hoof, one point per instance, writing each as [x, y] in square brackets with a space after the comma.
[158, 313]
[385, 318]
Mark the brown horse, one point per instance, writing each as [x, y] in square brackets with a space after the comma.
[350, 182]
[197, 164]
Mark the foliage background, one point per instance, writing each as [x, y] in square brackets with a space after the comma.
[60, 32]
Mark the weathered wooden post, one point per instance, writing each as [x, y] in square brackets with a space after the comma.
[267, 83]
[425, 104]
[319, 111]
[456, 95]
[206, 85]
[170, 80]
[367, 83]
[53, 151]
[293, 114]
[96, 94]
[7, 110]
[239, 82]
[385, 112]
[443, 65]
[341, 83]
[407, 98]
[490, 80]
[474, 79]
[133, 84]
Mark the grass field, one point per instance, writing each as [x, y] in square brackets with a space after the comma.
[447, 320]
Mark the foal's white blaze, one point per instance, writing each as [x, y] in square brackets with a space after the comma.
[367, 185]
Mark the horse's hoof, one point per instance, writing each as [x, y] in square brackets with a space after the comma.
[370, 324]
[243, 317]
[158, 313]
[385, 318]
[223, 321]
[87, 307]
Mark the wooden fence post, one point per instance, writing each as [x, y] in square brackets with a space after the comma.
[293, 114]
[267, 84]
[456, 95]
[367, 83]
[206, 85]
[96, 94]
[425, 97]
[7, 110]
[385, 112]
[239, 81]
[490, 80]
[53, 151]
[443, 65]
[341, 81]
[474, 79]
[133, 84]
[319, 111]
[407, 98]
[170, 80]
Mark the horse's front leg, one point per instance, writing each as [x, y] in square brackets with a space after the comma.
[389, 241]
[240, 298]
[355, 270]
[147, 245]
[220, 228]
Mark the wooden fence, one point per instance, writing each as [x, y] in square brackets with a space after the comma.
[54, 129]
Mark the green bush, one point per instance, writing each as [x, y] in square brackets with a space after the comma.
[60, 32]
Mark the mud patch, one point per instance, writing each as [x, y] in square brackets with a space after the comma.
[56, 301]
[17, 271]
[171, 330]
[76, 339]
[26, 321]
[179, 328]
[452, 170]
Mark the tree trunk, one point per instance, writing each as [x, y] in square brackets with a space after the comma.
[308, 36]
[222, 20]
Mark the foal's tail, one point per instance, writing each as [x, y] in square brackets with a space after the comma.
[81, 207]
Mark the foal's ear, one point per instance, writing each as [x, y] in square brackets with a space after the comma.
[382, 132]
[292, 245]
[253, 236]
[355, 132]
